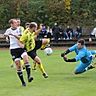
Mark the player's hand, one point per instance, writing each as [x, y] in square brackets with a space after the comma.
[62, 54]
[65, 58]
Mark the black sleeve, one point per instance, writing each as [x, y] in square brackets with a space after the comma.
[71, 60]
[65, 53]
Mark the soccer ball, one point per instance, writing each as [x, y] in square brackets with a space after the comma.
[48, 51]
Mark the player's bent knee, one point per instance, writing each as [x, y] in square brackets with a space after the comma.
[38, 62]
[45, 41]
[76, 72]
[79, 72]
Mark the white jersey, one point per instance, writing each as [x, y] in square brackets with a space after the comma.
[13, 40]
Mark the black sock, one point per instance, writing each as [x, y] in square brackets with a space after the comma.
[20, 74]
[27, 66]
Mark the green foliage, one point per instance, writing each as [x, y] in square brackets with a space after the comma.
[83, 12]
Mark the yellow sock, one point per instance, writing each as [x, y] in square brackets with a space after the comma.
[43, 46]
[41, 68]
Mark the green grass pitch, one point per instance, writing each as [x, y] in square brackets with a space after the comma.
[61, 81]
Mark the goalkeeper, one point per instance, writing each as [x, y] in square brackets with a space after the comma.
[82, 54]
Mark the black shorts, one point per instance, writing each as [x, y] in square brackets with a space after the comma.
[32, 53]
[16, 53]
[38, 44]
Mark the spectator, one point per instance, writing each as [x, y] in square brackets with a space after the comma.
[78, 32]
[43, 32]
[49, 32]
[69, 32]
[55, 31]
[61, 32]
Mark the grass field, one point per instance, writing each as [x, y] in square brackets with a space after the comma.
[61, 81]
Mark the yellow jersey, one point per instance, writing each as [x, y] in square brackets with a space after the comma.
[28, 40]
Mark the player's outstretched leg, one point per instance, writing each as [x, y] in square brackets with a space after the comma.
[81, 68]
[45, 43]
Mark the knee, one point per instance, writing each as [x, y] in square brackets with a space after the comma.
[76, 72]
[38, 61]
[18, 65]
[79, 72]
[45, 41]
[26, 61]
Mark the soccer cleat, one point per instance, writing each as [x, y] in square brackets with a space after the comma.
[45, 75]
[24, 84]
[30, 79]
[90, 67]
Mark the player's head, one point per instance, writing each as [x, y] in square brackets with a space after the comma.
[80, 43]
[18, 21]
[13, 23]
[27, 25]
[33, 26]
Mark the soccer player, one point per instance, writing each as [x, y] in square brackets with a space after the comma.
[21, 30]
[83, 55]
[32, 45]
[17, 51]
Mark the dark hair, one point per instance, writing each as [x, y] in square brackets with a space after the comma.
[32, 25]
[27, 23]
[82, 41]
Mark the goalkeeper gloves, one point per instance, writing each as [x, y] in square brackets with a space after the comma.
[65, 53]
[62, 54]
[69, 60]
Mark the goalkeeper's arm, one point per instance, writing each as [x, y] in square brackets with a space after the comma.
[65, 53]
[70, 60]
